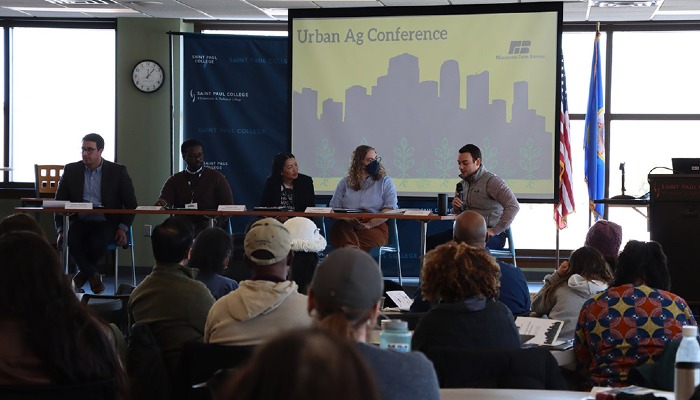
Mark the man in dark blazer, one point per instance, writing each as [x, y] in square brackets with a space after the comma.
[104, 184]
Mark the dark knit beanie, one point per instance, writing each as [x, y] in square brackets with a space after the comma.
[606, 237]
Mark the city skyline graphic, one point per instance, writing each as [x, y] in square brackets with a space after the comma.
[417, 127]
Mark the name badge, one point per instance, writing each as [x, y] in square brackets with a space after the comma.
[318, 210]
[232, 207]
[79, 206]
[417, 212]
[150, 208]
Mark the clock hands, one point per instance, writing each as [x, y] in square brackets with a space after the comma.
[148, 75]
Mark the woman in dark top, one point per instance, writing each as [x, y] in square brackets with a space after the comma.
[465, 280]
[211, 254]
[286, 187]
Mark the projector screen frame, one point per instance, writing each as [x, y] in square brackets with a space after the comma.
[552, 194]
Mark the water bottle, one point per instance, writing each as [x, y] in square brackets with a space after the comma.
[395, 336]
[687, 364]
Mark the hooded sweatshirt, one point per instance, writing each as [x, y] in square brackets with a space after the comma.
[255, 312]
[566, 301]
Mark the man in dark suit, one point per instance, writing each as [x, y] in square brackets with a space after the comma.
[104, 184]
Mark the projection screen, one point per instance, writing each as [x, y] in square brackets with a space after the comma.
[418, 83]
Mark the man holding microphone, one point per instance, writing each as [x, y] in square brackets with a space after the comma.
[483, 192]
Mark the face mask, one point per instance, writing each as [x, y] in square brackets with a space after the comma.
[372, 168]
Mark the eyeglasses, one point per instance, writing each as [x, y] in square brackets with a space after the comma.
[88, 150]
[194, 155]
[378, 159]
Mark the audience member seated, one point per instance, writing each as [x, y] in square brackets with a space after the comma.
[575, 281]
[606, 237]
[369, 188]
[630, 323]
[464, 279]
[286, 187]
[20, 222]
[267, 304]
[470, 228]
[210, 254]
[48, 337]
[531, 368]
[307, 242]
[169, 300]
[344, 299]
[306, 364]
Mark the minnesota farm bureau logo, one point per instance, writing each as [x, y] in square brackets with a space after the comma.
[519, 47]
[520, 50]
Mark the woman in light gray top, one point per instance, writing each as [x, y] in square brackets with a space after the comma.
[575, 281]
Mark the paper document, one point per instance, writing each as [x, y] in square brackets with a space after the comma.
[401, 299]
[539, 331]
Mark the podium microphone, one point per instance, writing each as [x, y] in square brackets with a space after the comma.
[623, 195]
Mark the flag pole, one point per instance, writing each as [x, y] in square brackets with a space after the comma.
[557, 248]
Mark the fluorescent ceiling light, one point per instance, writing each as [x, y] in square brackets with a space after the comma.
[81, 2]
[623, 3]
[76, 10]
[679, 12]
[277, 13]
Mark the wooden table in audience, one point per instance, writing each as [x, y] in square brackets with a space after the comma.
[66, 213]
[525, 394]
[510, 394]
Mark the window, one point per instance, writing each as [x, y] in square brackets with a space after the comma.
[62, 88]
[652, 73]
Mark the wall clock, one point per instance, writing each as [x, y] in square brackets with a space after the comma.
[148, 76]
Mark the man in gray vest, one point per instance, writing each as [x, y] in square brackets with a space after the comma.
[485, 193]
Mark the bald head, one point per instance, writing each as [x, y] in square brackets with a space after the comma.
[470, 228]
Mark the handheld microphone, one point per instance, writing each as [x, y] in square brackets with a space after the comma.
[458, 189]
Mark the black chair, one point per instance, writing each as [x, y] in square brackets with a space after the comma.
[200, 361]
[506, 252]
[111, 308]
[532, 368]
[101, 390]
[148, 375]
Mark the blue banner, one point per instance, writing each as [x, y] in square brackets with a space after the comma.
[235, 103]
[594, 136]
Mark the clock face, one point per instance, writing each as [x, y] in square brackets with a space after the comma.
[148, 76]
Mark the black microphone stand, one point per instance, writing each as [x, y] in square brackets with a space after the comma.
[623, 196]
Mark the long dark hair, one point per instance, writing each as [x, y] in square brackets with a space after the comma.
[73, 344]
[277, 164]
[307, 364]
[211, 247]
[587, 262]
[643, 262]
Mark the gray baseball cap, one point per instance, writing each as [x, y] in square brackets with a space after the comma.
[348, 277]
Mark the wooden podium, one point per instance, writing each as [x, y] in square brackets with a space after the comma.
[674, 222]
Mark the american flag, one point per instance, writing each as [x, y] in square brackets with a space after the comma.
[566, 194]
